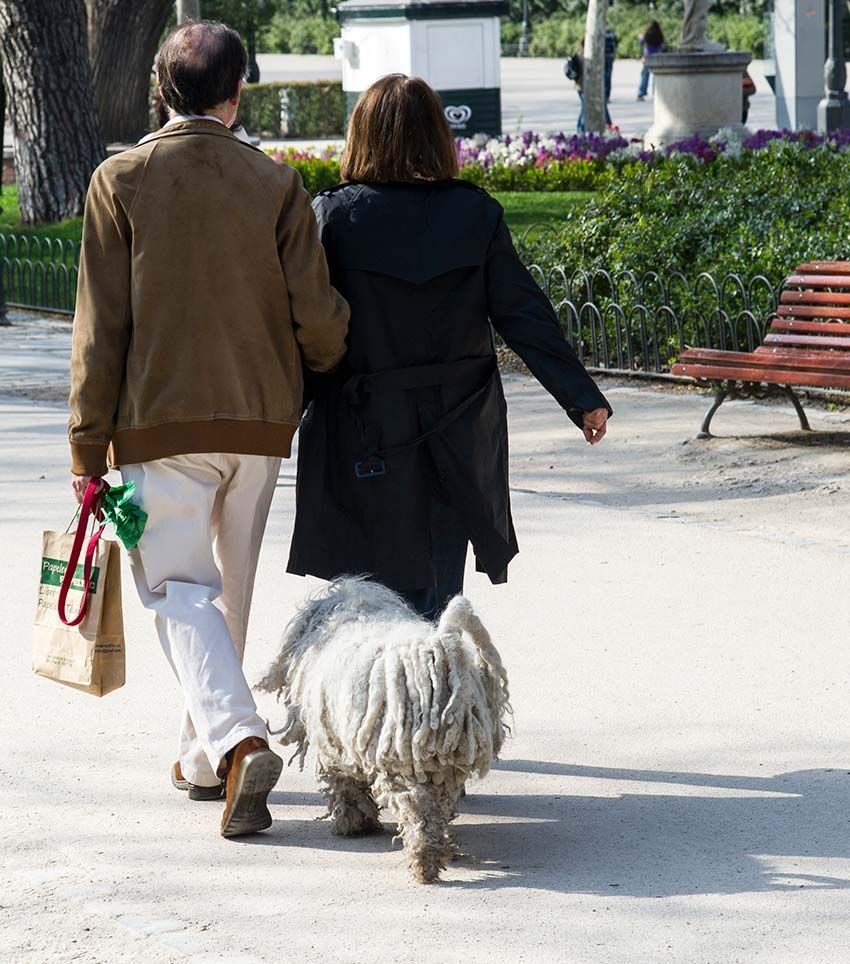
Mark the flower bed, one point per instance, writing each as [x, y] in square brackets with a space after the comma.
[578, 162]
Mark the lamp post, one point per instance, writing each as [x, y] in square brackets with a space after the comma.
[523, 37]
[834, 109]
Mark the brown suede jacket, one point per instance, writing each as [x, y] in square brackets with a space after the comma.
[202, 288]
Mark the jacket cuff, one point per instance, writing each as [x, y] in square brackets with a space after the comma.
[89, 458]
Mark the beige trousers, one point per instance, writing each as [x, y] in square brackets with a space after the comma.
[194, 567]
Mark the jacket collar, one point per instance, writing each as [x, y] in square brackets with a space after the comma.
[191, 127]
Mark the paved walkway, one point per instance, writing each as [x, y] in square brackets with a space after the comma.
[535, 93]
[677, 788]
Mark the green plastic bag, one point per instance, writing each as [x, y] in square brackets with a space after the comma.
[129, 519]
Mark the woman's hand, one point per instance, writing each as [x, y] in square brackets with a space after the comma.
[595, 425]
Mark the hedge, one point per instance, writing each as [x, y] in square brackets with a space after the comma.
[554, 36]
[559, 35]
[294, 109]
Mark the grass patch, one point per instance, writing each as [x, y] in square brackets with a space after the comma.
[525, 209]
[10, 220]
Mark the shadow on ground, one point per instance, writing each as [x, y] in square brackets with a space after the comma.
[653, 844]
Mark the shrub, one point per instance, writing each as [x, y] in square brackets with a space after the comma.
[299, 35]
[753, 211]
[317, 172]
[294, 109]
[511, 32]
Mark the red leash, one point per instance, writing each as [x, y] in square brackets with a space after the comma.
[91, 497]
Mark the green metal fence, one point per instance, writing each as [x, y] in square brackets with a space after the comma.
[39, 273]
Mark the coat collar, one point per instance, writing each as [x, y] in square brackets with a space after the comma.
[192, 127]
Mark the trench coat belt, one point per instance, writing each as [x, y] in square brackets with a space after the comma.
[471, 370]
[418, 376]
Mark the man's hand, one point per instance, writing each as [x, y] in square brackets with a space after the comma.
[79, 483]
[595, 425]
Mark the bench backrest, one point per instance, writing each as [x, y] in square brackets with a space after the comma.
[814, 308]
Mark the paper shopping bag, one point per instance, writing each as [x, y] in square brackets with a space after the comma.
[86, 650]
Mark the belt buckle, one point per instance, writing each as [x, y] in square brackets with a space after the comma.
[370, 468]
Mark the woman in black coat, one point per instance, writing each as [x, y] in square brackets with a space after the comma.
[403, 453]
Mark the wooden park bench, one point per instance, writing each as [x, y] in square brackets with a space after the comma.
[808, 345]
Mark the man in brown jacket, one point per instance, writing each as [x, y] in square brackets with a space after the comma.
[203, 289]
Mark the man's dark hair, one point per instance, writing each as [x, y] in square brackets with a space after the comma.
[199, 66]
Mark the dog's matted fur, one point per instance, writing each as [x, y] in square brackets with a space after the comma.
[400, 711]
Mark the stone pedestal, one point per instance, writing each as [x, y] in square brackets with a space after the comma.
[696, 93]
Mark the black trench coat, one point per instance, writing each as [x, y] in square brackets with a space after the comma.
[417, 412]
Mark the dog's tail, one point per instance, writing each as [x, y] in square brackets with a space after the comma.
[460, 617]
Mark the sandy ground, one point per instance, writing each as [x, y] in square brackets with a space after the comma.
[677, 787]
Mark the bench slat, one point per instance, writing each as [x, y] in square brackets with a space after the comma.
[807, 326]
[819, 280]
[808, 360]
[815, 297]
[770, 358]
[809, 341]
[812, 311]
[824, 267]
[772, 376]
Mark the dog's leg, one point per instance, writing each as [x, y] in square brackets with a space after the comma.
[423, 812]
[350, 805]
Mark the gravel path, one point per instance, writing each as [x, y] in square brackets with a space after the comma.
[677, 785]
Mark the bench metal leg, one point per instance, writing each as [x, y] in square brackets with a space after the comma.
[798, 408]
[719, 399]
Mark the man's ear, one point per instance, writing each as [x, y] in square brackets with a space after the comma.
[235, 100]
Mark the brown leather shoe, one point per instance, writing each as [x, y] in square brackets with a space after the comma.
[252, 770]
[195, 792]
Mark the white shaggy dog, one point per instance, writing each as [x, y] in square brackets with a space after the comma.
[400, 711]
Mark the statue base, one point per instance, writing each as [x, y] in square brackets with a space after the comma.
[696, 92]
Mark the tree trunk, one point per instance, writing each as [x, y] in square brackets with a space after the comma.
[593, 76]
[51, 106]
[188, 10]
[123, 39]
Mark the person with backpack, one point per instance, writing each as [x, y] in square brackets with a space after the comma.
[652, 42]
[574, 71]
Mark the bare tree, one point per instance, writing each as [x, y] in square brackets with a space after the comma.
[123, 39]
[51, 106]
[593, 77]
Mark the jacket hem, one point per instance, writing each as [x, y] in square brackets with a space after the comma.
[234, 437]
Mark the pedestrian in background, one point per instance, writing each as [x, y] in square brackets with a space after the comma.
[749, 88]
[652, 42]
[574, 71]
[611, 44]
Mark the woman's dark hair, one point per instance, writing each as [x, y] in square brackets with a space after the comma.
[653, 35]
[398, 132]
[199, 66]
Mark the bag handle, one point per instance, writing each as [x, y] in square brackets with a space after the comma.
[92, 495]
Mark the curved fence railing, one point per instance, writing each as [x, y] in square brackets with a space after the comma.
[39, 272]
[620, 321]
[640, 323]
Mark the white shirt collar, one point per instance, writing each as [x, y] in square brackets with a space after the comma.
[181, 119]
